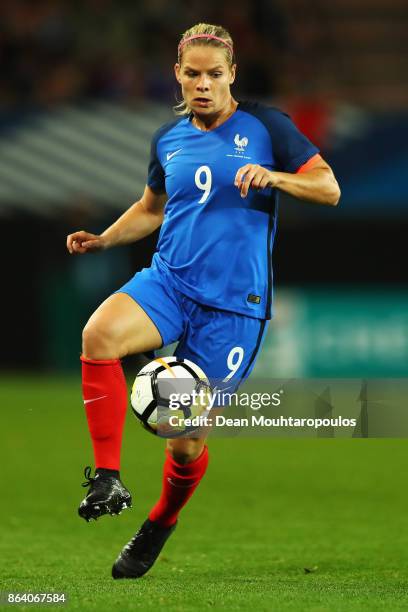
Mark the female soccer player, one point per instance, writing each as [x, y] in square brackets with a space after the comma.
[213, 182]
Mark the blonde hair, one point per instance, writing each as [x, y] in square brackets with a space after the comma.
[216, 35]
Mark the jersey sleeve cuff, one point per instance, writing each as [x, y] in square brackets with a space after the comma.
[310, 163]
[295, 165]
[156, 187]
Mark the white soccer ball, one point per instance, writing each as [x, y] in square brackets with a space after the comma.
[167, 392]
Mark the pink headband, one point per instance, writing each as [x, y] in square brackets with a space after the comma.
[221, 40]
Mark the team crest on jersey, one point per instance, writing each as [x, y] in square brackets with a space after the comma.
[240, 147]
[241, 143]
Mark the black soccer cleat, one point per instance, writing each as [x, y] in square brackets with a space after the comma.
[138, 556]
[106, 495]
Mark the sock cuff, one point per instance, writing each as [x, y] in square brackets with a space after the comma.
[99, 361]
[107, 472]
[188, 469]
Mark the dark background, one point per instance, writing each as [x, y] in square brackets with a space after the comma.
[337, 68]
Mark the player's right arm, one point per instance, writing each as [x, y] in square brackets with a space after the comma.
[140, 220]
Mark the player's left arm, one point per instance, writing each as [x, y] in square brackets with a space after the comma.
[313, 182]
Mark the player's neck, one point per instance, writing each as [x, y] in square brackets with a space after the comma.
[210, 122]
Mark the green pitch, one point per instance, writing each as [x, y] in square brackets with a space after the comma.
[275, 525]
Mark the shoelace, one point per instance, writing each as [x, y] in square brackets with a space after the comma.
[89, 479]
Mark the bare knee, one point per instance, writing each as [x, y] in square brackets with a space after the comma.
[99, 342]
[185, 450]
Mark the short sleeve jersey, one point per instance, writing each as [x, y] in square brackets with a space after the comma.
[217, 245]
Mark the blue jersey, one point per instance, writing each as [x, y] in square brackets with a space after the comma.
[216, 245]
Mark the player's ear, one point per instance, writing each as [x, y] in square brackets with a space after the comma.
[232, 73]
[177, 72]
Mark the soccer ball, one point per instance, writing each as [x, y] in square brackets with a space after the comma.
[166, 392]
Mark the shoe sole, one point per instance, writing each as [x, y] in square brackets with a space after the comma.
[118, 574]
[89, 512]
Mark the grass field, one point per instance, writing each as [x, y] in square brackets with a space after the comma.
[266, 510]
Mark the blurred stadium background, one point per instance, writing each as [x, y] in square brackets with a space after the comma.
[84, 85]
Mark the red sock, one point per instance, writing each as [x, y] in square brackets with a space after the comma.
[105, 398]
[179, 483]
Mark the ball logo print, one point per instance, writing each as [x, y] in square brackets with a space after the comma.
[166, 392]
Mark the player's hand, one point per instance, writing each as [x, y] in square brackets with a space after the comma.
[253, 176]
[85, 242]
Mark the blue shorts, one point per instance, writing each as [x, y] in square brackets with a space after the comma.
[223, 344]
